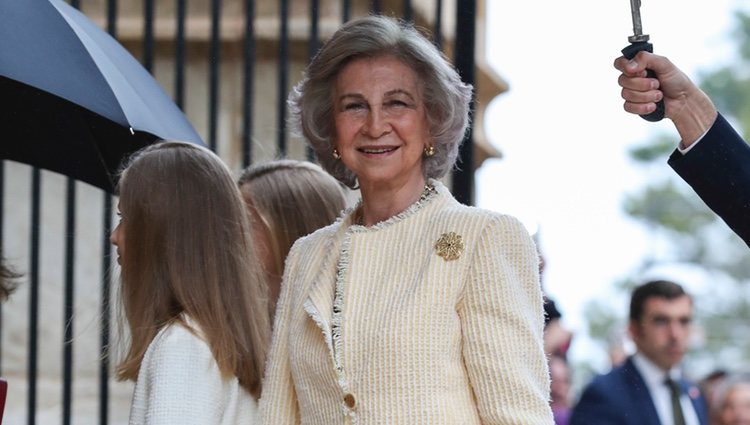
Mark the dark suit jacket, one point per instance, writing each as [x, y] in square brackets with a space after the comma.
[621, 398]
[718, 169]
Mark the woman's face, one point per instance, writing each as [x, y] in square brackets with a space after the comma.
[381, 125]
[736, 410]
[117, 237]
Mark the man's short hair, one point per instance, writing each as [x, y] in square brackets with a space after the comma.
[655, 288]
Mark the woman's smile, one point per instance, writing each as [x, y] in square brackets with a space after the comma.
[378, 151]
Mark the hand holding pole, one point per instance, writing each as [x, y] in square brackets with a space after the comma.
[638, 42]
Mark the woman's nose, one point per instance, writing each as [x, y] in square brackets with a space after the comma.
[377, 124]
[113, 235]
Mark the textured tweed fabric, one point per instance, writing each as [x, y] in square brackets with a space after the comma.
[431, 317]
[179, 384]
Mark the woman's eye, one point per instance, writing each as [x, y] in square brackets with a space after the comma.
[354, 106]
[397, 104]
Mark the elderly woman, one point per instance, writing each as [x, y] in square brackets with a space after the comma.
[411, 308]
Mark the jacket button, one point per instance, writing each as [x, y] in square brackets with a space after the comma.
[350, 401]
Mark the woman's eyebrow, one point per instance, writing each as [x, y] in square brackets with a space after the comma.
[353, 95]
[399, 91]
[393, 92]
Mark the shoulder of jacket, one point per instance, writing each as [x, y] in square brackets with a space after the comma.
[175, 338]
[610, 379]
[316, 238]
[474, 215]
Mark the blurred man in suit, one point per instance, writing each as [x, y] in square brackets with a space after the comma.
[648, 389]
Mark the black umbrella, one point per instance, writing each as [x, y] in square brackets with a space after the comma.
[72, 99]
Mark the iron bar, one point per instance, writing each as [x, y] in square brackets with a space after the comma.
[68, 300]
[248, 81]
[463, 175]
[148, 35]
[213, 78]
[179, 55]
[283, 77]
[33, 355]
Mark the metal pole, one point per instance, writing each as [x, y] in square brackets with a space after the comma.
[214, 60]
[407, 11]
[312, 49]
[463, 176]
[437, 32]
[148, 35]
[249, 79]
[283, 76]
[346, 10]
[68, 300]
[179, 55]
[34, 295]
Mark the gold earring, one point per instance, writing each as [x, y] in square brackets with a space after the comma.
[429, 151]
[336, 154]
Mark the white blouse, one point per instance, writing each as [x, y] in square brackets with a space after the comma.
[179, 383]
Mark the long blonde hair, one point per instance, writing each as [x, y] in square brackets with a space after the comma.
[188, 252]
[292, 199]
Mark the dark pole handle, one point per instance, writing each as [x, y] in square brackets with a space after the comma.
[629, 53]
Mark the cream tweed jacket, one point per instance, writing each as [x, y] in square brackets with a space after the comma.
[179, 383]
[374, 326]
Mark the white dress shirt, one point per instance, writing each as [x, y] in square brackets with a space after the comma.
[660, 393]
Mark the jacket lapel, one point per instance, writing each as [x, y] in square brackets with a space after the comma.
[696, 399]
[319, 302]
[643, 404]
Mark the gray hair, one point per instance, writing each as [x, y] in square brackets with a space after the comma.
[446, 98]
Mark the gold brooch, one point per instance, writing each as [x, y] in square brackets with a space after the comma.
[450, 246]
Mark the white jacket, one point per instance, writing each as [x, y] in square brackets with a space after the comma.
[374, 326]
[179, 384]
